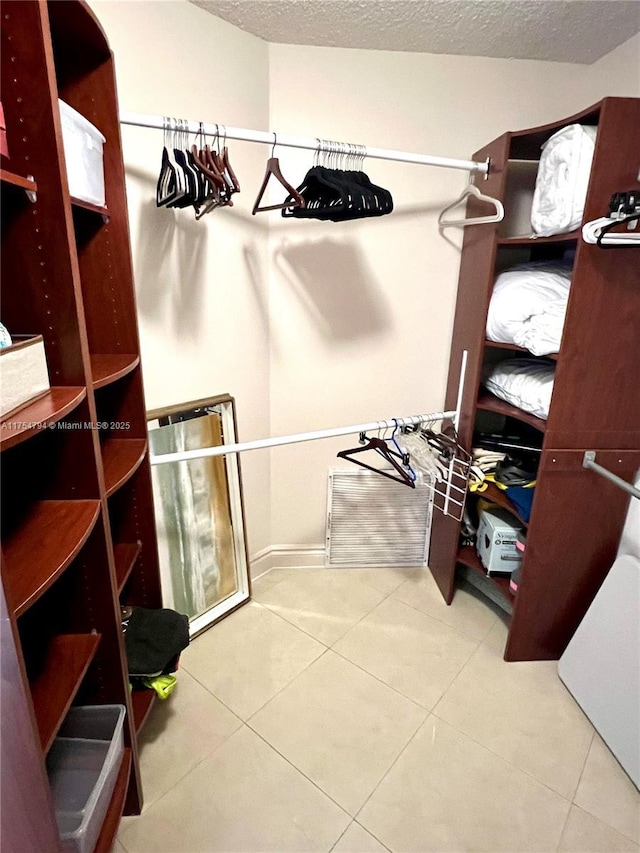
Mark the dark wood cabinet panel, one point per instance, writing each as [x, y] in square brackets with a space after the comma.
[80, 449]
[595, 405]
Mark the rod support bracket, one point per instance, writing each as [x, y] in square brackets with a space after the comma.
[589, 456]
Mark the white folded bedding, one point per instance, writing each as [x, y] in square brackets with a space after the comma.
[562, 180]
[524, 382]
[528, 306]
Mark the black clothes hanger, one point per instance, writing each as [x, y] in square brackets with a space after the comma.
[387, 453]
[338, 195]
[273, 168]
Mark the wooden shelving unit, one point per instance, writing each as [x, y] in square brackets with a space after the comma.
[55, 531]
[576, 518]
[40, 414]
[53, 689]
[468, 557]
[106, 369]
[121, 458]
[514, 348]
[67, 274]
[142, 703]
[111, 822]
[125, 556]
[8, 177]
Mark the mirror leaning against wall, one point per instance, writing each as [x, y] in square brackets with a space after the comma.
[199, 512]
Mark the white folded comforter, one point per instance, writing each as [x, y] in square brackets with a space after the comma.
[562, 180]
[528, 306]
[523, 382]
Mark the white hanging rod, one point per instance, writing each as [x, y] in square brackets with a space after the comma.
[308, 142]
[260, 443]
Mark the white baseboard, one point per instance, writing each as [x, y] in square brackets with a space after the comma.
[286, 557]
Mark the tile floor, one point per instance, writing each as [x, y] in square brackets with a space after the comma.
[353, 711]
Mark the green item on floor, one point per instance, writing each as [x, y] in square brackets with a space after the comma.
[162, 684]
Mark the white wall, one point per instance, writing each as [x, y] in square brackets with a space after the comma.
[362, 311]
[327, 323]
[202, 287]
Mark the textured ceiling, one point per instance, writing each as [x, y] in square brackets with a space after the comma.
[555, 30]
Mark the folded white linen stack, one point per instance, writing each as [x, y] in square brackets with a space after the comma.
[562, 180]
[528, 306]
[524, 382]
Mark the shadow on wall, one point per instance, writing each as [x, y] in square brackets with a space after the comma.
[333, 281]
[171, 263]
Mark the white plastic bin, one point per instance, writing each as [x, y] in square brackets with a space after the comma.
[83, 156]
[83, 765]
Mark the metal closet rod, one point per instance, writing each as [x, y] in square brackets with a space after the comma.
[307, 142]
[589, 461]
[240, 447]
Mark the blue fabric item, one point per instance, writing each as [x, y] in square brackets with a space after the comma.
[522, 499]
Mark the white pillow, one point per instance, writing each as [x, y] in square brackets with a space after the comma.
[528, 306]
[526, 383]
[562, 180]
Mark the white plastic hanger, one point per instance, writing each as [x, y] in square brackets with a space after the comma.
[473, 191]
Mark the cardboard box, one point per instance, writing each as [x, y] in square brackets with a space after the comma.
[23, 373]
[496, 541]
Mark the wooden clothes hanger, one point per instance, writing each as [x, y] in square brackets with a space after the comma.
[273, 168]
[385, 451]
[471, 191]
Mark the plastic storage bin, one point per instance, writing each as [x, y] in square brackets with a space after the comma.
[83, 156]
[83, 765]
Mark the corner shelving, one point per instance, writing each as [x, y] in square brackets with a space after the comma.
[125, 556]
[575, 521]
[55, 531]
[18, 181]
[67, 274]
[111, 822]
[142, 703]
[40, 414]
[121, 458]
[53, 690]
[490, 403]
[107, 368]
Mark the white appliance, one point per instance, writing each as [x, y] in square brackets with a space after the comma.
[601, 665]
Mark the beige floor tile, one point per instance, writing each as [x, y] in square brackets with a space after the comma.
[243, 798]
[323, 602]
[448, 793]
[357, 840]
[386, 579]
[606, 791]
[118, 847]
[263, 582]
[179, 733]
[248, 657]
[586, 834]
[497, 636]
[340, 726]
[467, 613]
[408, 650]
[522, 712]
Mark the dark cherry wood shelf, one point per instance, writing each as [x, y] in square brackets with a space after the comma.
[498, 496]
[489, 403]
[39, 414]
[142, 701]
[516, 348]
[125, 556]
[93, 208]
[468, 557]
[41, 548]
[111, 822]
[121, 458]
[17, 181]
[109, 368]
[67, 660]
[529, 240]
